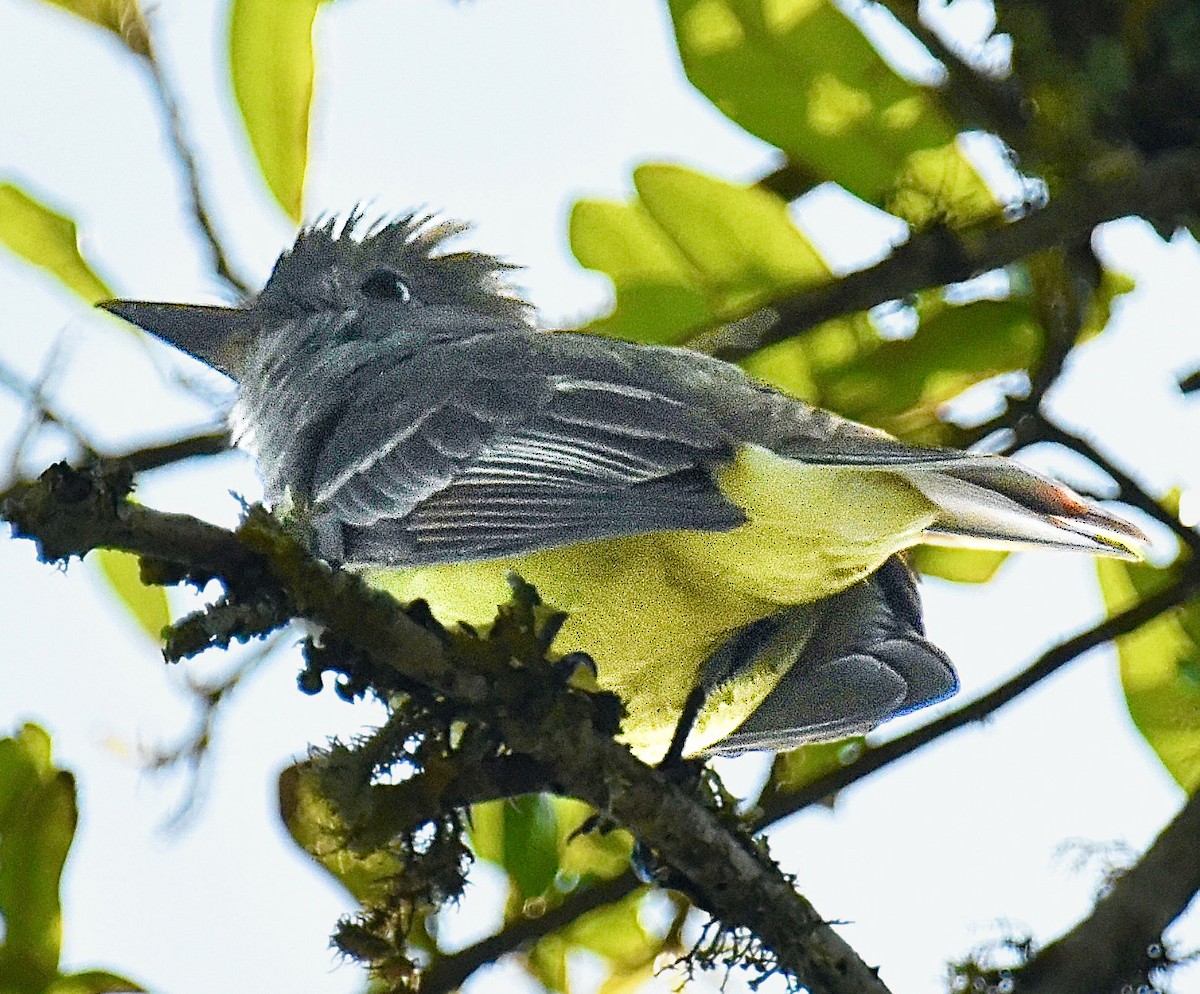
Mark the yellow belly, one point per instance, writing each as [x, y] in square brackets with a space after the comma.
[650, 609]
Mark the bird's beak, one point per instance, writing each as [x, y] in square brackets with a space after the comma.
[215, 335]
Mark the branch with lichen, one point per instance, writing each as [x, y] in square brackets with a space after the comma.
[69, 512]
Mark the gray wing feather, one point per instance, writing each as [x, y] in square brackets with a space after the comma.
[861, 658]
[450, 457]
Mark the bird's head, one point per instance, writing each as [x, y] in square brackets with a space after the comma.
[398, 269]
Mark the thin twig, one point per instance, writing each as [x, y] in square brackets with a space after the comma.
[448, 973]
[150, 457]
[193, 749]
[40, 411]
[191, 171]
[1129, 490]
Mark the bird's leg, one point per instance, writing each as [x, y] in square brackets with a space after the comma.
[673, 761]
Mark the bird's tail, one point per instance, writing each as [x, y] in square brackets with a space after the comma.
[988, 500]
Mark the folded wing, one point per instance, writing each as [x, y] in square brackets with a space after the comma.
[469, 460]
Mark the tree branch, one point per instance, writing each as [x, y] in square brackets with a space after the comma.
[1111, 949]
[70, 512]
[979, 100]
[449, 973]
[1165, 189]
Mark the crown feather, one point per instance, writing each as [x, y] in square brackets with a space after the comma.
[332, 257]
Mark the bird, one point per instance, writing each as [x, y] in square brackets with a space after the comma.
[730, 558]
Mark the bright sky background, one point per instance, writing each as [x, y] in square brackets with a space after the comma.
[503, 112]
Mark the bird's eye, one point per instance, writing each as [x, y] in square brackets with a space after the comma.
[386, 284]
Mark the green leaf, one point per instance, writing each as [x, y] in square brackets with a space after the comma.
[1112, 285]
[615, 932]
[48, 240]
[959, 565]
[122, 17]
[658, 299]
[320, 831]
[37, 825]
[531, 844]
[800, 75]
[1160, 667]
[690, 250]
[797, 768]
[520, 836]
[272, 65]
[591, 854]
[93, 982]
[147, 603]
[740, 239]
[547, 962]
[899, 385]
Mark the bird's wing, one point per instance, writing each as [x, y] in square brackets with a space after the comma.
[860, 658]
[474, 454]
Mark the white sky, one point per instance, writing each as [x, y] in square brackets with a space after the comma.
[504, 112]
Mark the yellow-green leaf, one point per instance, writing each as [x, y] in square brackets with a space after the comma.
[122, 17]
[615, 932]
[272, 65]
[959, 565]
[1160, 668]
[37, 825]
[547, 961]
[1112, 285]
[48, 240]
[800, 75]
[797, 768]
[320, 831]
[147, 603]
[627, 980]
[941, 186]
[591, 854]
[691, 249]
[486, 831]
[93, 982]
[740, 239]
